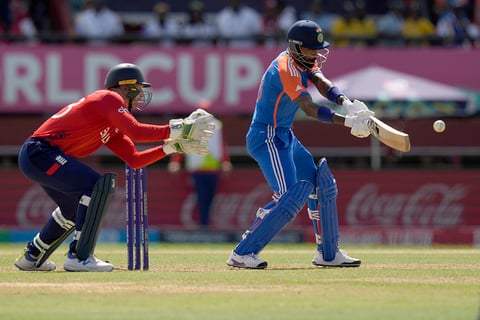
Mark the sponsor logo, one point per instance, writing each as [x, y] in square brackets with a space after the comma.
[298, 88]
[435, 204]
[122, 109]
[61, 160]
[105, 135]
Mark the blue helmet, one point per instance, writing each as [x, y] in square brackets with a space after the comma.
[307, 34]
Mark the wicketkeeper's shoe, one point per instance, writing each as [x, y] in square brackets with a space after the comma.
[341, 260]
[27, 263]
[249, 261]
[91, 264]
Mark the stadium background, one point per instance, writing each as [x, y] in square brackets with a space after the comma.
[427, 196]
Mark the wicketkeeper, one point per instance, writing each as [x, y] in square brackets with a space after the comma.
[51, 157]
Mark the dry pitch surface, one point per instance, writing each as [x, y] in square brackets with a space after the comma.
[191, 281]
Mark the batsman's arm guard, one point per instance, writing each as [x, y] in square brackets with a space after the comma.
[101, 195]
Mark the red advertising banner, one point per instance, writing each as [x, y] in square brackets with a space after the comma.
[43, 78]
[378, 206]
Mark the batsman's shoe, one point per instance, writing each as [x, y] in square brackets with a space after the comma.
[249, 261]
[26, 263]
[91, 264]
[341, 260]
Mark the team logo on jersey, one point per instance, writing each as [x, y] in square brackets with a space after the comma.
[122, 110]
[298, 88]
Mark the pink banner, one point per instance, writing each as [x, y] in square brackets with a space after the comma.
[41, 79]
[446, 199]
[387, 207]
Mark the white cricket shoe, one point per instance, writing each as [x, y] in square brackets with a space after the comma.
[91, 264]
[249, 261]
[341, 260]
[26, 263]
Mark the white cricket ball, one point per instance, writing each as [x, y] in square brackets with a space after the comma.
[439, 126]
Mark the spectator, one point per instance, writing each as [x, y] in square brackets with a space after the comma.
[277, 19]
[354, 28]
[205, 171]
[198, 30]
[319, 16]
[16, 23]
[453, 25]
[162, 26]
[390, 25]
[97, 23]
[239, 25]
[287, 15]
[271, 27]
[52, 19]
[368, 30]
[417, 29]
[6, 17]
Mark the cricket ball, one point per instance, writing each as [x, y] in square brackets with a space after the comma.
[439, 126]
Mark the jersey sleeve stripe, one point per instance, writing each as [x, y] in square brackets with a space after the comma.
[291, 67]
[277, 103]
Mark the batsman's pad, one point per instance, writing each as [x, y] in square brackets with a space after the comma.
[285, 211]
[327, 196]
[102, 192]
[47, 250]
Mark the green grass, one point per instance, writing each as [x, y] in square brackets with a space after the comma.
[190, 281]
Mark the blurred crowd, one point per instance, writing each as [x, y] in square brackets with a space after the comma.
[404, 23]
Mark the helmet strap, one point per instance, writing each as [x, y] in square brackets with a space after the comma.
[131, 93]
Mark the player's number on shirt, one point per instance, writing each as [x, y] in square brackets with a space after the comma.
[67, 109]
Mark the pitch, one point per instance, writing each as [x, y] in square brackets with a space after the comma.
[191, 281]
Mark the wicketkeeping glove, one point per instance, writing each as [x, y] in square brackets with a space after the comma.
[185, 146]
[199, 125]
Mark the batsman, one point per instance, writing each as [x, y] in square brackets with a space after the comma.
[286, 164]
[52, 157]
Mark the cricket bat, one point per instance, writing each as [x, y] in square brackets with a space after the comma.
[389, 136]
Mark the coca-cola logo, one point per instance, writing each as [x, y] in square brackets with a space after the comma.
[435, 204]
[35, 208]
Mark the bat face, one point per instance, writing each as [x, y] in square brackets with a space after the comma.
[391, 137]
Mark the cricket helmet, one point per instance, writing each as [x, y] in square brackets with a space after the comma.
[307, 34]
[125, 73]
[127, 76]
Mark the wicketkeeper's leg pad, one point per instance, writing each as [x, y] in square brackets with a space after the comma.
[285, 211]
[101, 194]
[327, 196]
[47, 250]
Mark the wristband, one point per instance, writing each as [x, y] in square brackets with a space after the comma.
[325, 114]
[333, 93]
